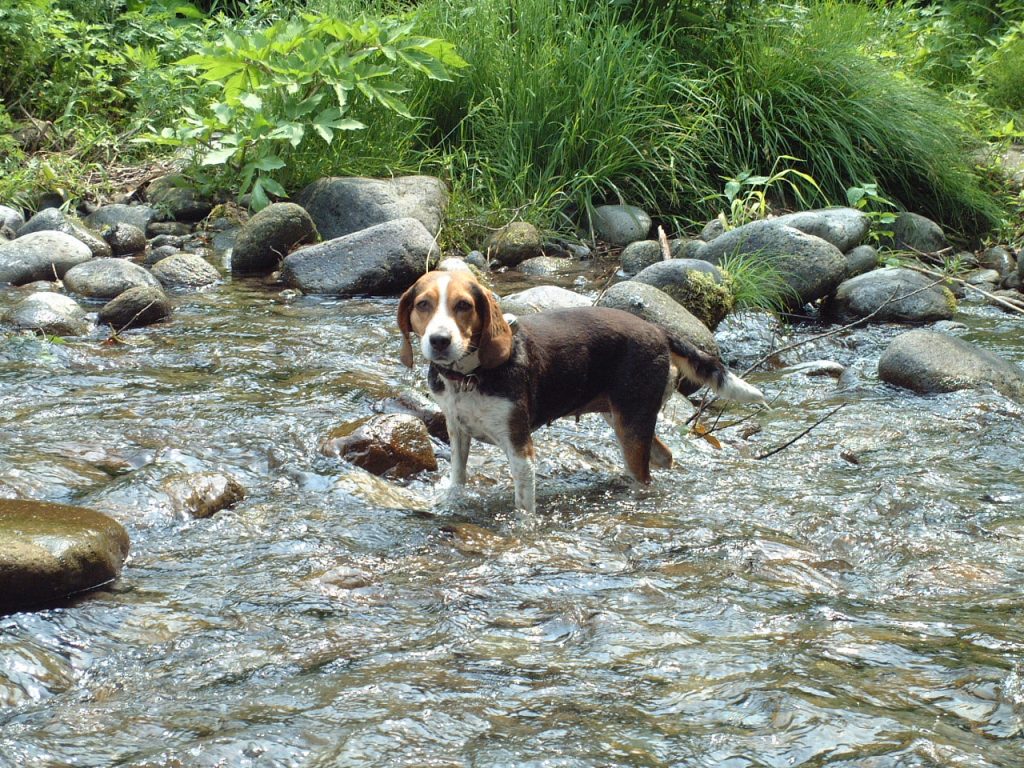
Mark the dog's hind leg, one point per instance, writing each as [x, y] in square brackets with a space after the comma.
[661, 454]
[635, 437]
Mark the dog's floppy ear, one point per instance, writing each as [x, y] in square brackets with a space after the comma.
[495, 345]
[405, 325]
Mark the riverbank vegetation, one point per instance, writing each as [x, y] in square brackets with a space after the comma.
[535, 109]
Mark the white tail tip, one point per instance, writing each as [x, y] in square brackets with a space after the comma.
[735, 388]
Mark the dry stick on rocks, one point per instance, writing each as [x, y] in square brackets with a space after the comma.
[666, 249]
[990, 296]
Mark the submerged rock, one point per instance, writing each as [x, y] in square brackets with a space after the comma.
[514, 243]
[107, 278]
[898, 295]
[343, 206]
[543, 298]
[381, 260]
[52, 314]
[269, 236]
[929, 361]
[202, 494]
[620, 225]
[698, 285]
[52, 551]
[40, 256]
[394, 444]
[136, 307]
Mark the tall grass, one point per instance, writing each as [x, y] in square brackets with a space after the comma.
[810, 87]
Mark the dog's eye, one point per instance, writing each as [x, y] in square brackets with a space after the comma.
[423, 305]
[463, 306]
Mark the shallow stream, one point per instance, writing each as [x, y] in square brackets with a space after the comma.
[857, 599]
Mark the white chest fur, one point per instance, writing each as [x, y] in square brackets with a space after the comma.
[483, 417]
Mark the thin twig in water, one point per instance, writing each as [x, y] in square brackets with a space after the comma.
[788, 443]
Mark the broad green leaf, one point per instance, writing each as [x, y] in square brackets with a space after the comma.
[219, 156]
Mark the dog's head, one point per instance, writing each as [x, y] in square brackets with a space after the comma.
[454, 316]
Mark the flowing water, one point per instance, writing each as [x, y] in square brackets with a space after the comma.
[854, 600]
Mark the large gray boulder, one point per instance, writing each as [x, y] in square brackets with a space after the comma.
[698, 285]
[914, 232]
[845, 228]
[543, 298]
[811, 268]
[656, 306]
[620, 225]
[269, 236]
[185, 270]
[382, 260]
[136, 307]
[52, 314]
[107, 278]
[55, 220]
[342, 206]
[896, 294]
[929, 361]
[140, 216]
[53, 551]
[40, 256]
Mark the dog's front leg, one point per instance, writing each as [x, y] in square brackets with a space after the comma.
[521, 462]
[458, 439]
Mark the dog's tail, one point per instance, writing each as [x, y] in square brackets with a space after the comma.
[701, 368]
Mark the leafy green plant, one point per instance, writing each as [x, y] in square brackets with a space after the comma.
[749, 195]
[878, 209]
[276, 88]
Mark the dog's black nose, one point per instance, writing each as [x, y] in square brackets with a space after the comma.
[440, 341]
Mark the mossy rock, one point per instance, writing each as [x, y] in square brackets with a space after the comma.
[702, 288]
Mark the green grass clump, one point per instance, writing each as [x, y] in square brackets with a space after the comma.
[809, 87]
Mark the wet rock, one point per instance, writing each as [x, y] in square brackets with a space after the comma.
[476, 259]
[185, 270]
[423, 408]
[998, 258]
[385, 259]
[896, 294]
[155, 255]
[861, 259]
[514, 243]
[11, 218]
[914, 232]
[698, 285]
[658, 307]
[40, 256]
[178, 198]
[343, 206]
[202, 494]
[639, 255]
[393, 444]
[929, 361]
[542, 299]
[620, 225]
[175, 241]
[845, 228]
[140, 216]
[125, 239]
[985, 279]
[107, 278]
[55, 220]
[51, 314]
[546, 266]
[269, 236]
[168, 228]
[136, 307]
[52, 551]
[811, 267]
[686, 248]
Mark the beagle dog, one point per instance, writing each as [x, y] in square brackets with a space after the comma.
[498, 383]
